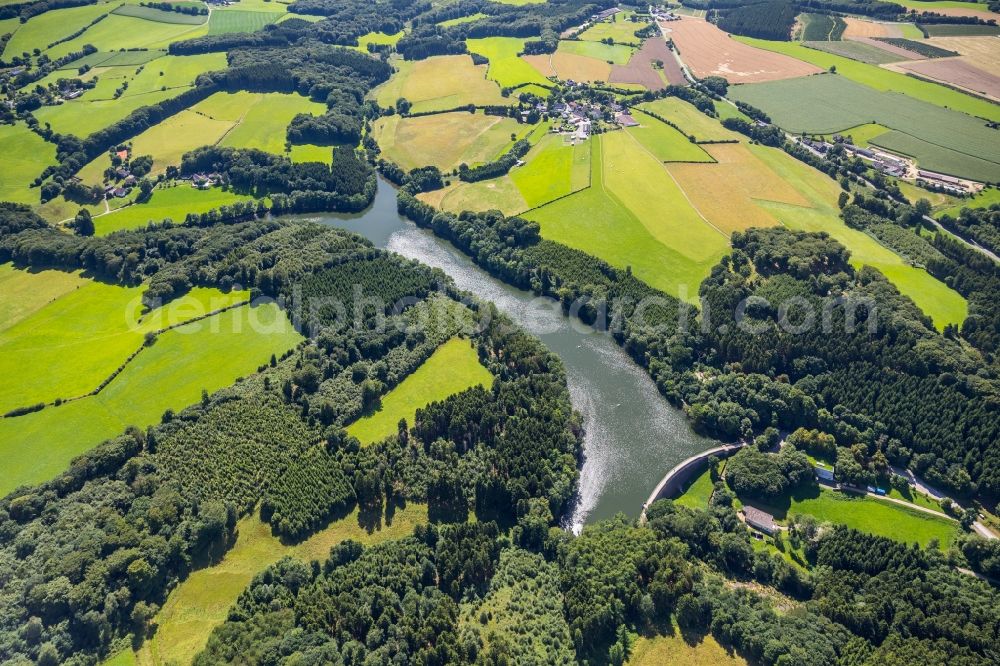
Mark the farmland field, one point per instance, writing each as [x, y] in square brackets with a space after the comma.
[620, 219]
[202, 601]
[169, 375]
[83, 118]
[378, 39]
[939, 158]
[26, 292]
[162, 16]
[176, 135]
[981, 52]
[882, 79]
[621, 30]
[25, 156]
[506, 67]
[956, 72]
[641, 70]
[960, 30]
[709, 51]
[822, 27]
[860, 51]
[857, 27]
[472, 138]
[440, 83]
[860, 135]
[264, 124]
[238, 20]
[984, 199]
[664, 142]
[169, 202]
[462, 19]
[830, 103]
[615, 53]
[42, 30]
[933, 297]
[125, 32]
[452, 368]
[692, 121]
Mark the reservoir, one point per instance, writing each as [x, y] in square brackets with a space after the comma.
[633, 436]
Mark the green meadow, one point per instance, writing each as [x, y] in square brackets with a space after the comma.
[83, 118]
[440, 83]
[171, 374]
[620, 30]
[861, 135]
[237, 20]
[506, 67]
[984, 199]
[692, 121]
[462, 19]
[613, 53]
[552, 169]
[173, 202]
[125, 32]
[25, 156]
[664, 142]
[933, 297]
[472, 139]
[266, 120]
[44, 29]
[880, 79]
[25, 292]
[452, 368]
[696, 493]
[378, 39]
[678, 650]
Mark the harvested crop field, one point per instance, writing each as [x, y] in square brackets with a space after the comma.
[711, 52]
[956, 72]
[856, 50]
[897, 48]
[861, 28]
[440, 83]
[982, 52]
[640, 68]
[960, 30]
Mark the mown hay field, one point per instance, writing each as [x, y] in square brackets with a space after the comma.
[619, 28]
[452, 368]
[830, 103]
[202, 601]
[692, 121]
[125, 32]
[444, 140]
[170, 374]
[440, 83]
[237, 20]
[616, 54]
[506, 67]
[266, 119]
[882, 79]
[27, 292]
[160, 15]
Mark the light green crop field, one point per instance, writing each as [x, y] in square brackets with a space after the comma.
[621, 30]
[634, 214]
[729, 111]
[932, 5]
[506, 67]
[9, 27]
[830, 103]
[83, 118]
[202, 601]
[452, 368]
[169, 202]
[674, 650]
[238, 20]
[173, 72]
[984, 199]
[169, 375]
[25, 156]
[552, 169]
[615, 53]
[444, 140]
[691, 120]
[125, 32]
[83, 336]
[26, 292]
[664, 142]
[265, 123]
[440, 83]
[160, 15]
[860, 135]
[880, 79]
[959, 30]
[462, 19]
[866, 514]
[496, 194]
[378, 39]
[934, 298]
[42, 30]
[225, 105]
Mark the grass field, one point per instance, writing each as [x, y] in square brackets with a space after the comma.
[984, 199]
[238, 20]
[697, 491]
[469, 138]
[266, 120]
[169, 140]
[83, 118]
[310, 153]
[452, 368]
[621, 30]
[865, 514]
[860, 135]
[959, 30]
[26, 292]
[614, 53]
[462, 19]
[439, 83]
[125, 32]
[831, 103]
[691, 120]
[505, 67]
[933, 297]
[25, 156]
[883, 79]
[748, 181]
[633, 214]
[151, 14]
[379, 39]
[202, 601]
[495, 194]
[169, 375]
[42, 30]
[664, 142]
[673, 650]
[169, 202]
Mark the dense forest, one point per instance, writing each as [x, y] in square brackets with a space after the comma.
[765, 20]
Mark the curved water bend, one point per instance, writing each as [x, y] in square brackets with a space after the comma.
[632, 434]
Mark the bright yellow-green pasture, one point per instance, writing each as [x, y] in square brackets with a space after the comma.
[552, 169]
[506, 67]
[621, 30]
[613, 53]
[266, 121]
[125, 32]
[692, 121]
[182, 132]
[25, 156]
[883, 79]
[462, 19]
[23, 292]
[171, 374]
[934, 298]
[202, 601]
[444, 140]
[80, 338]
[83, 118]
[861, 134]
[309, 153]
[439, 83]
[984, 199]
[674, 650]
[42, 30]
[452, 368]
[378, 39]
[664, 142]
[173, 202]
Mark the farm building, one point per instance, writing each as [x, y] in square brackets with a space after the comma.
[823, 474]
[759, 520]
